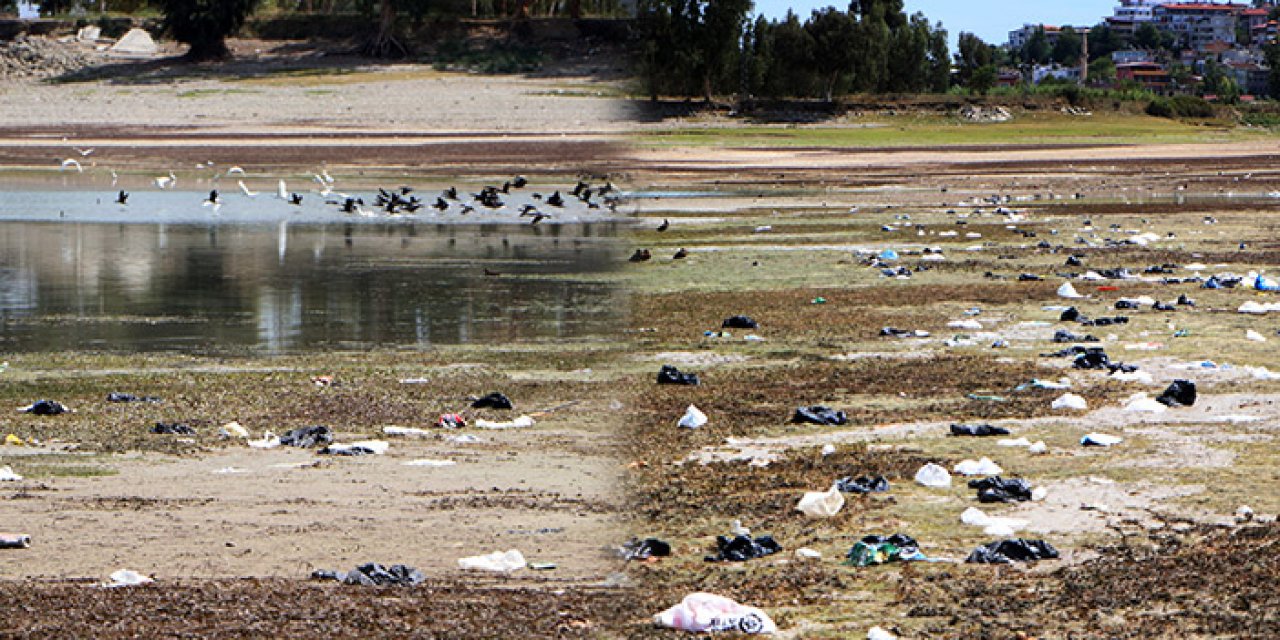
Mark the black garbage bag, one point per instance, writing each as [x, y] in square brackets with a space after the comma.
[307, 437]
[739, 322]
[1062, 336]
[1182, 393]
[375, 575]
[997, 489]
[494, 400]
[644, 549]
[116, 396]
[1185, 301]
[1105, 322]
[980, 430]
[1092, 359]
[347, 450]
[175, 429]
[863, 484]
[818, 414]
[672, 375]
[1126, 305]
[743, 548]
[1013, 550]
[1072, 314]
[45, 408]
[892, 332]
[899, 540]
[1163, 306]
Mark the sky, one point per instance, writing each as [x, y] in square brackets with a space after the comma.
[992, 20]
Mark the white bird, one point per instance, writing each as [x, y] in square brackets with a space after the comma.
[114, 179]
[326, 191]
[245, 190]
[83, 152]
[327, 178]
[69, 162]
[167, 182]
[282, 191]
[235, 170]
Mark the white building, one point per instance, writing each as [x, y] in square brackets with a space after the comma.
[1131, 14]
[1199, 24]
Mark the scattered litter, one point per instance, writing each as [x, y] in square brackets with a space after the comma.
[805, 553]
[233, 430]
[175, 428]
[127, 578]
[1254, 336]
[708, 612]
[828, 449]
[375, 575]
[863, 484]
[1019, 442]
[739, 322]
[822, 504]
[430, 463]
[406, 432]
[116, 396]
[362, 448]
[996, 489]
[415, 381]
[7, 475]
[542, 566]
[307, 437]
[672, 375]
[13, 440]
[1100, 440]
[523, 422]
[741, 548]
[497, 562]
[230, 470]
[1012, 550]
[934, 476]
[873, 550]
[876, 633]
[44, 408]
[1070, 402]
[1068, 291]
[645, 549]
[983, 467]
[494, 400]
[819, 415]
[979, 430]
[967, 325]
[451, 421]
[268, 441]
[1182, 393]
[15, 541]
[1038, 448]
[693, 418]
[992, 526]
[465, 438]
[1141, 377]
[890, 332]
[1142, 403]
[1243, 514]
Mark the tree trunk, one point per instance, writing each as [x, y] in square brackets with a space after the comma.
[575, 9]
[385, 44]
[522, 9]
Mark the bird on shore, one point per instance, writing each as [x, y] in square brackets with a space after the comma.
[666, 224]
[71, 162]
[122, 197]
[556, 200]
[641, 255]
[84, 153]
[451, 193]
[441, 204]
[295, 199]
[282, 190]
[167, 182]
[214, 201]
[520, 182]
[680, 255]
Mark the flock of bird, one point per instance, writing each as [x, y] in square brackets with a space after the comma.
[399, 201]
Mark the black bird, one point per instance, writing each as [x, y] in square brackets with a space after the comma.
[506, 187]
[666, 224]
[404, 191]
[123, 198]
[466, 208]
[579, 188]
[451, 193]
[528, 210]
[537, 196]
[555, 200]
[520, 182]
[680, 255]
[585, 196]
[538, 217]
[349, 206]
[441, 204]
[213, 197]
[491, 273]
[295, 199]
[641, 255]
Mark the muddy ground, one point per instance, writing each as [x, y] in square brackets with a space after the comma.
[1150, 547]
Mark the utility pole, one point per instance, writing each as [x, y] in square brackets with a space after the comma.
[1084, 58]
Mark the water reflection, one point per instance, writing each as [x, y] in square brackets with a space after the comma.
[283, 287]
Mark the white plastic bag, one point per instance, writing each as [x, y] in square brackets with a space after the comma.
[1143, 403]
[1068, 291]
[932, 475]
[693, 418]
[497, 562]
[406, 431]
[7, 475]
[983, 467]
[701, 612]
[1070, 402]
[822, 504]
[128, 578]
[523, 422]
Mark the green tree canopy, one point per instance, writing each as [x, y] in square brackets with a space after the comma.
[205, 24]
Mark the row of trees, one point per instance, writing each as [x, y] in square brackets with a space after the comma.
[709, 47]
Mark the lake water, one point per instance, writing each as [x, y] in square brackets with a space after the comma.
[285, 286]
